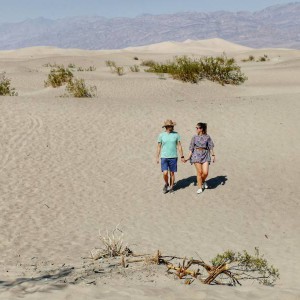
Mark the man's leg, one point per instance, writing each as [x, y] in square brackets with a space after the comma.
[173, 170]
[164, 169]
[172, 180]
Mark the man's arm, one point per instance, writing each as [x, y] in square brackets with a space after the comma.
[179, 147]
[158, 152]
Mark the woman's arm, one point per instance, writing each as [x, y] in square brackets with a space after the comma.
[189, 156]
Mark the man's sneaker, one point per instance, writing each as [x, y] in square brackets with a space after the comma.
[204, 185]
[165, 189]
[199, 191]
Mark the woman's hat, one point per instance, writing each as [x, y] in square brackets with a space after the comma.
[169, 123]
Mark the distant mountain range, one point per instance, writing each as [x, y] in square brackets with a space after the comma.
[275, 26]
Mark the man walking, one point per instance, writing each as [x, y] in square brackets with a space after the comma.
[168, 144]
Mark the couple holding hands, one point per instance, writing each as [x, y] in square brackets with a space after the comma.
[200, 152]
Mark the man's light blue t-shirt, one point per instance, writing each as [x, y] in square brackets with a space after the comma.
[169, 143]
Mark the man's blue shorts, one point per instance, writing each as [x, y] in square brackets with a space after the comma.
[169, 164]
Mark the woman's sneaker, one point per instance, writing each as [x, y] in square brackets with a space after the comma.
[199, 191]
[204, 185]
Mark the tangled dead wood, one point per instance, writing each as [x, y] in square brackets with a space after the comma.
[228, 268]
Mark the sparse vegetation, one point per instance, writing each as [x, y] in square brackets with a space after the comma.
[71, 66]
[90, 69]
[219, 69]
[263, 58]
[135, 68]
[59, 76]
[80, 69]
[136, 58]
[5, 88]
[77, 88]
[51, 65]
[250, 58]
[148, 63]
[229, 268]
[114, 68]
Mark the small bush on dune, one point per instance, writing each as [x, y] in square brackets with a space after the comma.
[5, 88]
[250, 58]
[78, 89]
[134, 68]
[90, 69]
[136, 58]
[80, 69]
[59, 76]
[111, 64]
[119, 70]
[220, 69]
[263, 58]
[71, 66]
[148, 63]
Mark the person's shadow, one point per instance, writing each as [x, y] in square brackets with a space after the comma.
[212, 183]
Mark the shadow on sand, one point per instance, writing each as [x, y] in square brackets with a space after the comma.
[44, 283]
[212, 183]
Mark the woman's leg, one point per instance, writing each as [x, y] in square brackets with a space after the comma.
[199, 174]
[205, 169]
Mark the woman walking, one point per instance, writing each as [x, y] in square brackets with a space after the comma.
[201, 150]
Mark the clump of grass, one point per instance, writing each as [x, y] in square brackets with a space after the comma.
[5, 88]
[51, 65]
[71, 66]
[148, 63]
[78, 89]
[90, 69]
[119, 71]
[59, 76]
[219, 69]
[250, 58]
[111, 64]
[135, 68]
[136, 58]
[263, 58]
[80, 69]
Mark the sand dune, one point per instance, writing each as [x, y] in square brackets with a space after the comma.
[69, 167]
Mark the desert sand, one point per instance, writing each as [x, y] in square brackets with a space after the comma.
[69, 167]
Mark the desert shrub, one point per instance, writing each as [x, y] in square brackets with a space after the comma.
[250, 58]
[71, 66]
[59, 76]
[136, 58]
[80, 69]
[111, 64]
[78, 89]
[263, 58]
[246, 266]
[119, 70]
[220, 69]
[135, 68]
[5, 88]
[51, 65]
[148, 63]
[90, 69]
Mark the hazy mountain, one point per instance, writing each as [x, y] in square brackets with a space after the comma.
[275, 26]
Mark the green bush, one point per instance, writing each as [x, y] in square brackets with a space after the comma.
[250, 58]
[220, 69]
[135, 68]
[90, 69]
[5, 88]
[78, 89]
[263, 58]
[71, 66]
[148, 63]
[59, 76]
[111, 64]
